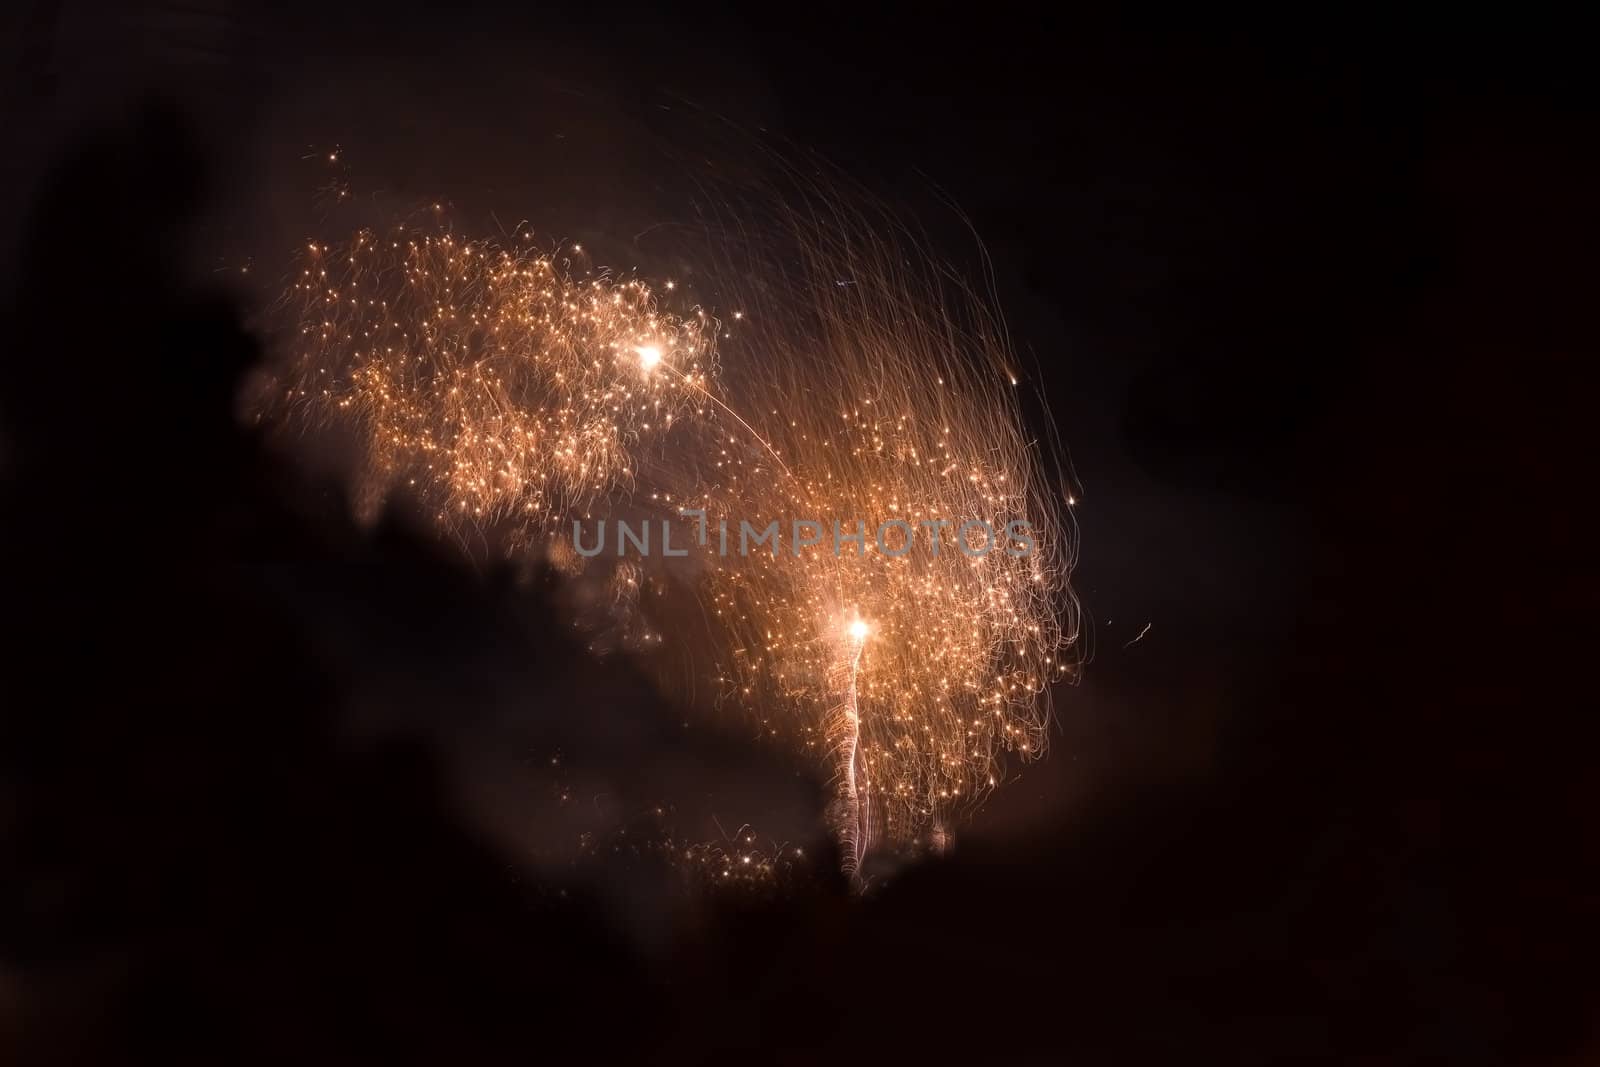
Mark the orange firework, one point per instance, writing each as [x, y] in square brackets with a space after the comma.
[906, 623]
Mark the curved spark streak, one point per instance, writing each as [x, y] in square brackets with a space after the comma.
[773, 452]
[852, 816]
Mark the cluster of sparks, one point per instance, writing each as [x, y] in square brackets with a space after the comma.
[508, 388]
[486, 375]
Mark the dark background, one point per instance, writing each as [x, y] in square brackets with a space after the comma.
[1307, 302]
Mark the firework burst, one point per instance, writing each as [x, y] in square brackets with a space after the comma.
[859, 387]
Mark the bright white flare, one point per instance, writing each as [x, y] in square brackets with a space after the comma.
[859, 630]
[649, 356]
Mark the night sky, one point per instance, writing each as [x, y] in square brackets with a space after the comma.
[1307, 303]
